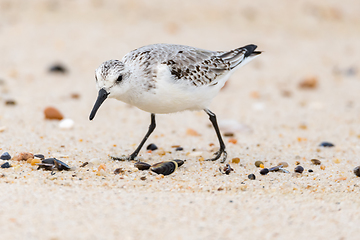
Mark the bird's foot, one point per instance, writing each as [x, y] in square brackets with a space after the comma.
[124, 158]
[218, 155]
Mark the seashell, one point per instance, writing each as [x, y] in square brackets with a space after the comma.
[179, 162]
[142, 166]
[52, 163]
[164, 168]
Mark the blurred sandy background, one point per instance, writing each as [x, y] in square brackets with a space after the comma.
[311, 41]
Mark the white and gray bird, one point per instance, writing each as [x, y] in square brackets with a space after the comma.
[167, 78]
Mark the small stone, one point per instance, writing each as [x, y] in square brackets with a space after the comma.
[66, 123]
[310, 170]
[316, 161]
[235, 160]
[179, 149]
[192, 132]
[297, 163]
[118, 171]
[252, 176]
[75, 95]
[5, 156]
[356, 171]
[6, 165]
[23, 156]
[229, 134]
[151, 147]
[10, 102]
[143, 178]
[309, 83]
[299, 169]
[264, 171]
[102, 167]
[58, 68]
[258, 163]
[322, 167]
[283, 164]
[53, 113]
[326, 144]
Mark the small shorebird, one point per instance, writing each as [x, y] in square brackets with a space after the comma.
[167, 78]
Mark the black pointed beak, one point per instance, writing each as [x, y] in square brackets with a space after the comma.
[100, 99]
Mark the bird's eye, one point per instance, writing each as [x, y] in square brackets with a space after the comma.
[119, 79]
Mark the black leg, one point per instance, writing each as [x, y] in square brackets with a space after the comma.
[136, 152]
[221, 151]
[151, 129]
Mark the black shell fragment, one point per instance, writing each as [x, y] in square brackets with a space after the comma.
[151, 147]
[164, 168]
[41, 156]
[326, 144]
[142, 166]
[53, 163]
[6, 165]
[179, 162]
[5, 156]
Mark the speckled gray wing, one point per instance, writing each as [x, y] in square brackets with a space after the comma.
[198, 66]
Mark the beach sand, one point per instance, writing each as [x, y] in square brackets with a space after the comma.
[303, 90]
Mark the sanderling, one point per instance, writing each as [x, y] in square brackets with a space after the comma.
[166, 78]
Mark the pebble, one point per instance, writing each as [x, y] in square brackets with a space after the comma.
[299, 169]
[274, 169]
[235, 160]
[309, 83]
[10, 102]
[179, 149]
[326, 144]
[151, 147]
[5, 156]
[357, 171]
[58, 68]
[258, 163]
[316, 161]
[23, 156]
[6, 165]
[66, 123]
[229, 134]
[252, 176]
[283, 164]
[84, 164]
[264, 171]
[310, 170]
[119, 170]
[143, 178]
[53, 113]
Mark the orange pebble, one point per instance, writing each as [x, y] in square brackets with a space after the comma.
[192, 132]
[35, 161]
[322, 167]
[232, 140]
[53, 113]
[102, 166]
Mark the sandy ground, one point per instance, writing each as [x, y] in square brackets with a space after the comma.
[278, 121]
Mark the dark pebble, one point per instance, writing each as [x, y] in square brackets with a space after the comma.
[5, 156]
[299, 169]
[58, 68]
[316, 161]
[357, 171]
[179, 162]
[228, 134]
[6, 165]
[264, 171]
[119, 170]
[257, 163]
[310, 170]
[179, 149]
[252, 176]
[40, 156]
[326, 144]
[10, 102]
[151, 147]
[84, 164]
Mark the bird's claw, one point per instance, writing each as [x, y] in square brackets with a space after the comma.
[218, 155]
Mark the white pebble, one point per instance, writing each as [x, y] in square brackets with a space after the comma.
[66, 123]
